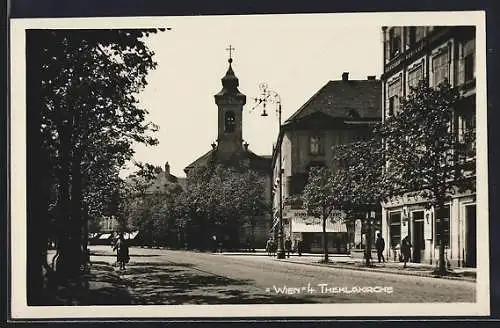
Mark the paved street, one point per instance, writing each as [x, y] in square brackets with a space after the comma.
[156, 276]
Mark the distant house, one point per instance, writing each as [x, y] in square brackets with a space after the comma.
[341, 112]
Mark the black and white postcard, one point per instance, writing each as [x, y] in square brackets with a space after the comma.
[251, 166]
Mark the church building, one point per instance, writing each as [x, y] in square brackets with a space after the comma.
[232, 150]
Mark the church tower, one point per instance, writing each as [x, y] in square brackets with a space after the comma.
[230, 102]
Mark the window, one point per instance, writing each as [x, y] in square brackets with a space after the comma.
[443, 214]
[415, 34]
[441, 68]
[230, 122]
[466, 133]
[468, 60]
[412, 35]
[394, 42]
[395, 228]
[393, 93]
[415, 76]
[315, 146]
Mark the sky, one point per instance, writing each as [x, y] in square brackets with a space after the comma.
[294, 54]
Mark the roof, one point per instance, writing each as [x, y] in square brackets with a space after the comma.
[165, 183]
[256, 162]
[350, 99]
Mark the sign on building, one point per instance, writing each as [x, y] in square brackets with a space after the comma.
[357, 231]
[428, 218]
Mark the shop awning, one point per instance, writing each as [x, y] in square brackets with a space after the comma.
[301, 225]
[105, 236]
[132, 235]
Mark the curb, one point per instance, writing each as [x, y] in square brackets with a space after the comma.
[403, 273]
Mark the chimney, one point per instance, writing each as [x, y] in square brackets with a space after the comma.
[345, 76]
[167, 169]
[371, 77]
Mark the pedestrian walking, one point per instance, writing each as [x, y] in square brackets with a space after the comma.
[380, 245]
[214, 243]
[269, 246]
[300, 245]
[122, 252]
[405, 250]
[288, 246]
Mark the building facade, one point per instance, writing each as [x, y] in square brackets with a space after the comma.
[434, 54]
[341, 112]
[232, 151]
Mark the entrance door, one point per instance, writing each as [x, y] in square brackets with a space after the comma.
[418, 236]
[470, 251]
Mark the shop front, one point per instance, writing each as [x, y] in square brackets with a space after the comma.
[408, 217]
[298, 225]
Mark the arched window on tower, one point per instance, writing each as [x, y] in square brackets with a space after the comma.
[230, 122]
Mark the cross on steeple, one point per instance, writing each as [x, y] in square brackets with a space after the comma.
[230, 49]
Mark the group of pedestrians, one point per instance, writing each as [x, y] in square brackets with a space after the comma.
[272, 246]
[405, 249]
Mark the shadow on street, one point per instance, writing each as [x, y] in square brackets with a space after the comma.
[172, 283]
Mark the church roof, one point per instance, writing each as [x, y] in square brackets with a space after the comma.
[346, 99]
[243, 157]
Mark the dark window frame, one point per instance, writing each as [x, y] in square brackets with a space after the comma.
[446, 232]
[320, 145]
[229, 122]
[395, 224]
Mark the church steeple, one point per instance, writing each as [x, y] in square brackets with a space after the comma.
[230, 102]
[230, 82]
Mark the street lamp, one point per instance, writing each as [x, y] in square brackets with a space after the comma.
[271, 96]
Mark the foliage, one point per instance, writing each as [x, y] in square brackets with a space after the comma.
[324, 192]
[222, 198]
[89, 118]
[421, 145]
[422, 149]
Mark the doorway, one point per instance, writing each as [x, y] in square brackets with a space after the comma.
[470, 237]
[418, 236]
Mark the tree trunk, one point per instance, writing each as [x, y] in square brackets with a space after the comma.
[368, 243]
[441, 262]
[38, 184]
[325, 238]
[77, 226]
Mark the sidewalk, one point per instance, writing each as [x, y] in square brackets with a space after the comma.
[345, 261]
[413, 269]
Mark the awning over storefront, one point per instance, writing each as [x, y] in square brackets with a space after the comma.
[301, 226]
[302, 222]
[105, 236]
[132, 235]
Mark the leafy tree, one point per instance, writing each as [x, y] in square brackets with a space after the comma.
[221, 199]
[422, 150]
[366, 186]
[324, 192]
[84, 117]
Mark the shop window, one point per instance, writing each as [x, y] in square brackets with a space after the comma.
[441, 68]
[395, 228]
[230, 122]
[443, 214]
